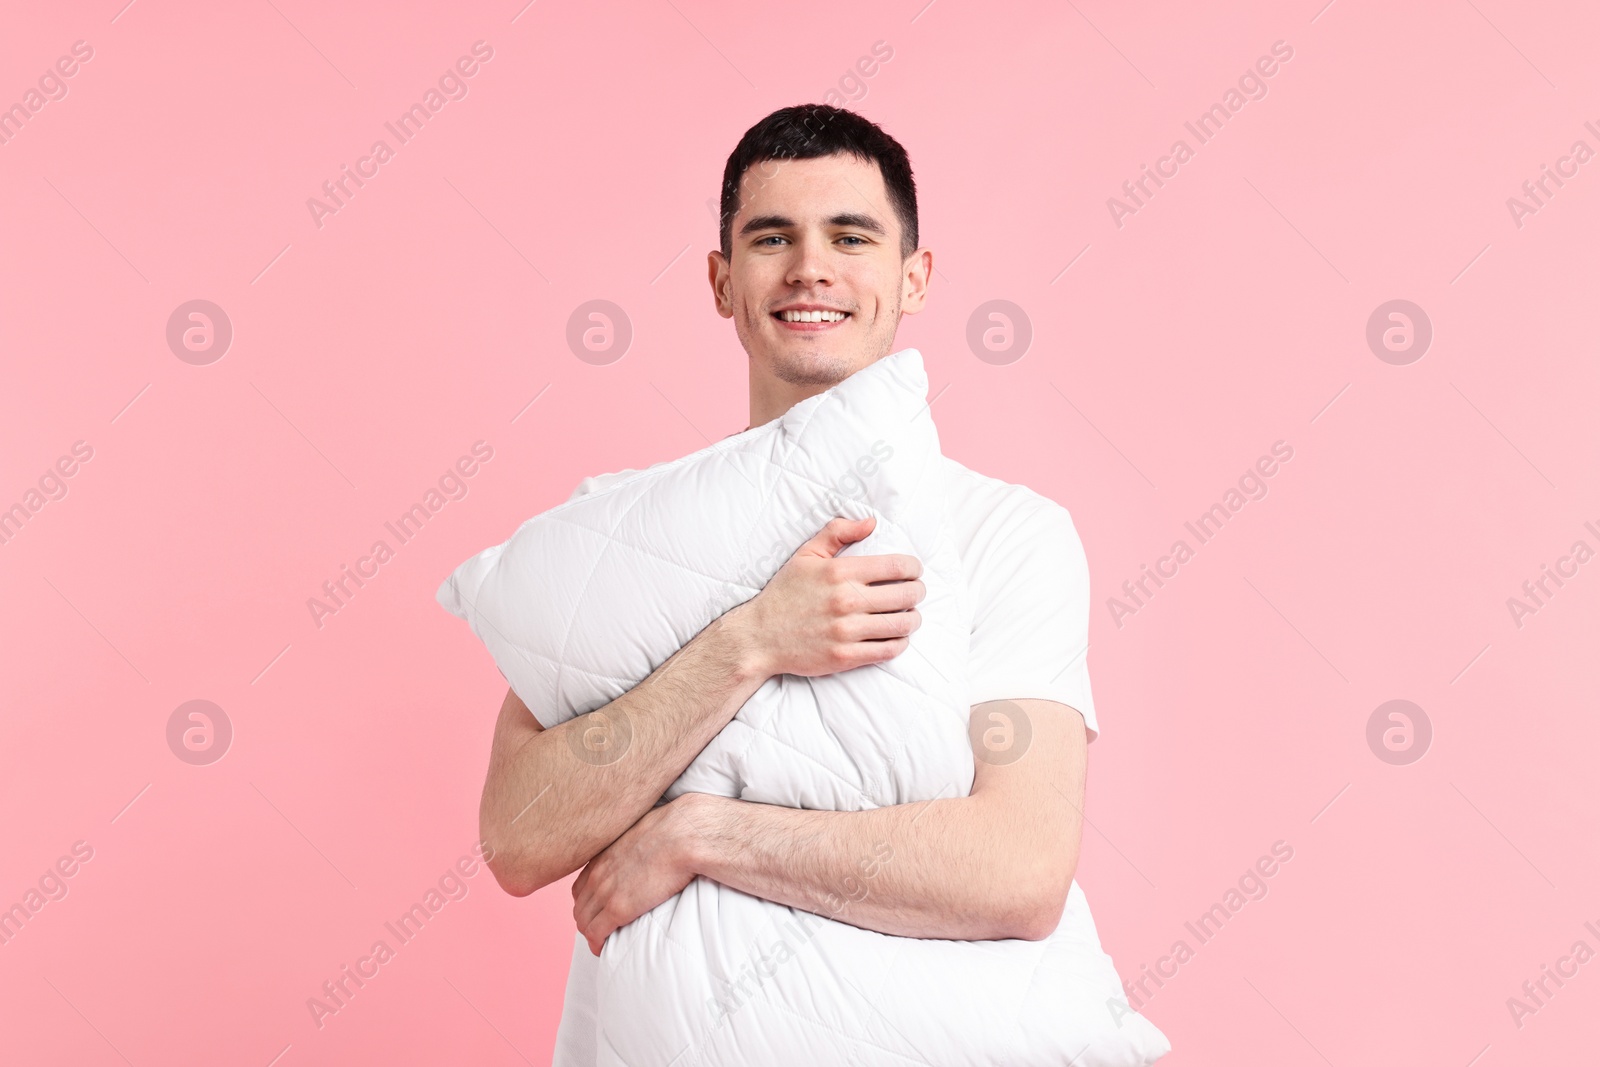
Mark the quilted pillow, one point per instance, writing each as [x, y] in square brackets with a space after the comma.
[586, 599]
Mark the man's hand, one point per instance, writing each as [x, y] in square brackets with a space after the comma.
[817, 615]
[639, 870]
[821, 615]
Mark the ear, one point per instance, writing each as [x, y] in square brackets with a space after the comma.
[721, 278]
[917, 272]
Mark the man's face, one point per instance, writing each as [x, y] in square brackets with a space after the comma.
[816, 235]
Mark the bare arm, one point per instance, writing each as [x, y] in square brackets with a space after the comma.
[997, 863]
[553, 799]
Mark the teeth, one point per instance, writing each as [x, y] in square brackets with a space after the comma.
[811, 316]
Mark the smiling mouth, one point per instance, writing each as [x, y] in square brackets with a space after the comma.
[810, 320]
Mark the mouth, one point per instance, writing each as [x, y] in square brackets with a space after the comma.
[810, 319]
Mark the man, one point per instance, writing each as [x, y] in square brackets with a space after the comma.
[819, 259]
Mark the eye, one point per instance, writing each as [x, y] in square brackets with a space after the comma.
[853, 237]
[769, 237]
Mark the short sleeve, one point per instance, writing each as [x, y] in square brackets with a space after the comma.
[1030, 627]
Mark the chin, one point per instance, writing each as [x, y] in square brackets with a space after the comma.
[805, 365]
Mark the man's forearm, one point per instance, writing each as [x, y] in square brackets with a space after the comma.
[554, 798]
[942, 868]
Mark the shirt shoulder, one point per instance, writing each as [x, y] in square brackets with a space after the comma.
[1028, 578]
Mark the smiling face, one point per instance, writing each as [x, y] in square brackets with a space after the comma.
[816, 285]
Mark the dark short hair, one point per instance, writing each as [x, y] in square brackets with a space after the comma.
[808, 131]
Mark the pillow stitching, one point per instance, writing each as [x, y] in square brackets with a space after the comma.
[584, 589]
[897, 525]
[611, 538]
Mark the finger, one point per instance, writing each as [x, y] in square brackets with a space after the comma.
[882, 626]
[882, 567]
[893, 596]
[597, 929]
[862, 653]
[604, 926]
[585, 911]
[836, 534]
[580, 906]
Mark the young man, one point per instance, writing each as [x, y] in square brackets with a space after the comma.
[819, 260]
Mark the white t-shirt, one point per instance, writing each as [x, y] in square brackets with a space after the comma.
[1029, 582]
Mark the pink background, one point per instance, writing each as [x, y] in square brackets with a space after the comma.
[368, 354]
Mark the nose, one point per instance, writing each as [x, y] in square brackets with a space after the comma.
[809, 264]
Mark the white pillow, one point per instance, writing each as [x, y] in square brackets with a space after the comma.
[586, 599]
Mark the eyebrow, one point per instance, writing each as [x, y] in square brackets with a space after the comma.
[849, 220]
